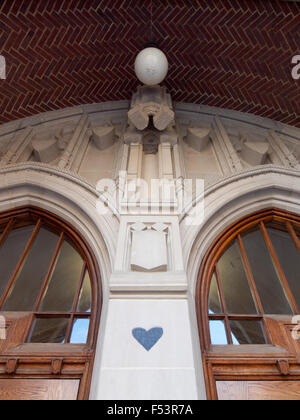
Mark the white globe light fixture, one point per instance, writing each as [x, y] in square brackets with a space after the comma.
[151, 66]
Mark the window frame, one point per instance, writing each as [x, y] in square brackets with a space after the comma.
[270, 362]
[209, 267]
[64, 355]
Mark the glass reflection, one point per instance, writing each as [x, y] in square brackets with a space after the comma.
[234, 282]
[214, 304]
[269, 286]
[218, 333]
[49, 330]
[289, 259]
[11, 252]
[85, 299]
[80, 331]
[247, 332]
[32, 275]
[64, 282]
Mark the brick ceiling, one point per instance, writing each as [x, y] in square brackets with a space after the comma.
[233, 54]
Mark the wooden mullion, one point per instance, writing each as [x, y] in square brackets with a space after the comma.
[6, 231]
[80, 285]
[293, 235]
[222, 297]
[247, 266]
[70, 328]
[223, 306]
[75, 304]
[242, 317]
[21, 261]
[280, 271]
[49, 273]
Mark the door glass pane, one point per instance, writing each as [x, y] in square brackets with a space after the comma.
[289, 258]
[64, 283]
[218, 333]
[267, 281]
[214, 305]
[234, 282]
[85, 299]
[49, 330]
[80, 331]
[30, 279]
[10, 253]
[247, 332]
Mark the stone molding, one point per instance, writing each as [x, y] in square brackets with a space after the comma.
[69, 197]
[229, 200]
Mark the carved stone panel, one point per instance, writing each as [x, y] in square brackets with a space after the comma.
[149, 248]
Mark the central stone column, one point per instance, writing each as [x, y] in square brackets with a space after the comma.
[147, 348]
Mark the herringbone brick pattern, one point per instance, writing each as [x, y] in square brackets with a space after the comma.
[227, 53]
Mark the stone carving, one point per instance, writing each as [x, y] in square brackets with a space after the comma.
[198, 138]
[19, 147]
[104, 137]
[73, 154]
[253, 152]
[151, 102]
[149, 247]
[151, 119]
[227, 155]
[45, 150]
[286, 157]
[147, 339]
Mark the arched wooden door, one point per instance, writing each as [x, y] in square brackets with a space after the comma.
[248, 304]
[50, 301]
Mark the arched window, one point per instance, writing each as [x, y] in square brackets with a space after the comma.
[248, 294]
[254, 274]
[48, 277]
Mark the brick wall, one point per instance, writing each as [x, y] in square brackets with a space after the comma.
[228, 53]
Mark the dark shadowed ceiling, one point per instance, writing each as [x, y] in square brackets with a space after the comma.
[227, 53]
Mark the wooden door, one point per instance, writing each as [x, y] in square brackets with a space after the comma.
[259, 390]
[38, 389]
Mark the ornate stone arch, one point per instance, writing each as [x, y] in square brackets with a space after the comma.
[226, 202]
[71, 199]
[229, 200]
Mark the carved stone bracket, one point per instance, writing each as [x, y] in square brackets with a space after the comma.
[151, 102]
[253, 152]
[198, 138]
[151, 119]
[104, 137]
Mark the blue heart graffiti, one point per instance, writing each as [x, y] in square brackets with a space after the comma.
[147, 339]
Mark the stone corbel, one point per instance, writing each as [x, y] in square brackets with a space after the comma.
[104, 137]
[151, 101]
[45, 151]
[198, 138]
[253, 152]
